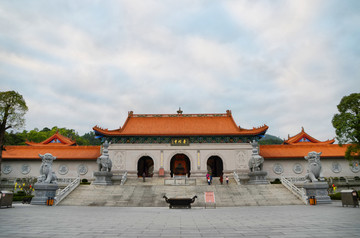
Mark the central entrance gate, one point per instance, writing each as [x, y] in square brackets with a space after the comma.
[215, 166]
[180, 165]
[145, 165]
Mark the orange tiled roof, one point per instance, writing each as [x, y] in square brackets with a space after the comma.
[60, 152]
[180, 125]
[303, 138]
[301, 150]
[56, 139]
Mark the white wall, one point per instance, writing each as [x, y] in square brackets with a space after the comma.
[126, 156]
[326, 163]
[34, 166]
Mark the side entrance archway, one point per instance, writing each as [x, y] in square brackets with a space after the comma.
[145, 165]
[180, 165]
[215, 166]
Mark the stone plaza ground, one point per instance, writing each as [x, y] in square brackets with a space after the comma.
[328, 220]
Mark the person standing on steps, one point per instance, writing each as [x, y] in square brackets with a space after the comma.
[143, 175]
[227, 180]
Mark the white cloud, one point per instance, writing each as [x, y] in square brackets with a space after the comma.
[90, 64]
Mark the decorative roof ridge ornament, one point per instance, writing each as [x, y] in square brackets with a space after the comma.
[179, 112]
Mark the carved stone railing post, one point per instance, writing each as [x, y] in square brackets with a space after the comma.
[300, 193]
[67, 190]
[237, 178]
[123, 179]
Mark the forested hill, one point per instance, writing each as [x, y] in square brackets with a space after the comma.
[270, 140]
[37, 136]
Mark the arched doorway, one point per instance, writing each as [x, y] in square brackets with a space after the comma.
[145, 165]
[215, 166]
[180, 165]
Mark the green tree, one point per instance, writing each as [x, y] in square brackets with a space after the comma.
[12, 112]
[14, 138]
[347, 124]
[37, 136]
[270, 140]
[90, 137]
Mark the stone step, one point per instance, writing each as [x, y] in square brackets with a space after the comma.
[136, 193]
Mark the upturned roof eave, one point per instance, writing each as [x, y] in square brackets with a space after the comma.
[184, 134]
[299, 157]
[245, 132]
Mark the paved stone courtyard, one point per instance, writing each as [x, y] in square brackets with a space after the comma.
[330, 220]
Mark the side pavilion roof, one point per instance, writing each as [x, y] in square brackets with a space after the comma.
[58, 145]
[299, 151]
[180, 125]
[60, 152]
[305, 138]
[56, 139]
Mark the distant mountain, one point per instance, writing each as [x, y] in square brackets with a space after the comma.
[270, 140]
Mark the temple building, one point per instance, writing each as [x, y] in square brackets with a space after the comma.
[288, 159]
[180, 144]
[71, 161]
[170, 145]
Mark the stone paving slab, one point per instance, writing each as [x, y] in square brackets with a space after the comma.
[330, 220]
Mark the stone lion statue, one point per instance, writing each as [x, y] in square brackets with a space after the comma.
[104, 161]
[314, 166]
[46, 173]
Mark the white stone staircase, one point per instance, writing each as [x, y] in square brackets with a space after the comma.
[136, 193]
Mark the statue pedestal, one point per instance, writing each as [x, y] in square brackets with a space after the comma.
[42, 192]
[319, 190]
[102, 178]
[258, 177]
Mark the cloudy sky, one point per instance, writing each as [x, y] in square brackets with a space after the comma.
[78, 64]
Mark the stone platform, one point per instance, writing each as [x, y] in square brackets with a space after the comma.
[258, 177]
[102, 178]
[319, 190]
[43, 192]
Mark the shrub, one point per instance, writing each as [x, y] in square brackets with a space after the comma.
[25, 185]
[276, 181]
[20, 193]
[335, 196]
[85, 182]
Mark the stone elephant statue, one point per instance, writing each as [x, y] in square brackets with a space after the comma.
[256, 163]
[104, 163]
